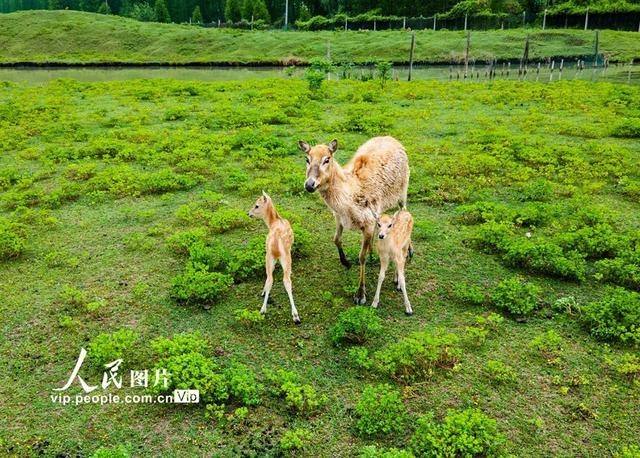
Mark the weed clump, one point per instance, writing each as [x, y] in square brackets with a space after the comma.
[380, 410]
[197, 285]
[356, 325]
[462, 433]
[615, 317]
[12, 239]
[516, 295]
[106, 348]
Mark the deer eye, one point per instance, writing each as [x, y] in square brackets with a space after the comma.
[308, 160]
[379, 225]
[326, 160]
[256, 206]
[390, 225]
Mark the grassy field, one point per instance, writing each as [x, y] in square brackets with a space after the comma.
[105, 184]
[72, 37]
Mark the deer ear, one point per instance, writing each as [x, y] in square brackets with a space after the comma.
[333, 146]
[373, 212]
[304, 146]
[265, 195]
[395, 215]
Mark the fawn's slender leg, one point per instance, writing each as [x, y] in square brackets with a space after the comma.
[403, 287]
[384, 263]
[270, 264]
[285, 261]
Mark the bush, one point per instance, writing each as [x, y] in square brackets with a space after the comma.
[466, 433]
[615, 317]
[194, 371]
[417, 356]
[299, 398]
[356, 325]
[248, 261]
[566, 304]
[12, 239]
[105, 348]
[631, 451]
[248, 318]
[197, 285]
[549, 344]
[628, 128]
[469, 294]
[119, 451]
[627, 365]
[214, 257]
[225, 219]
[500, 372]
[516, 295]
[371, 451]
[380, 410]
[295, 439]
[242, 383]
[180, 344]
[180, 242]
[359, 357]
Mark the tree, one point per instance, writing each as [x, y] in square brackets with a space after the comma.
[162, 12]
[196, 16]
[304, 14]
[104, 8]
[142, 12]
[260, 11]
[233, 11]
[90, 5]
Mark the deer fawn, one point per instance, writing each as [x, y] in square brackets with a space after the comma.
[377, 177]
[394, 244]
[279, 242]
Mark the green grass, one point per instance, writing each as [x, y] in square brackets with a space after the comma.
[466, 142]
[73, 37]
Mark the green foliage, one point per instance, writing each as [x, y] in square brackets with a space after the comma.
[372, 451]
[627, 365]
[469, 294]
[417, 356]
[380, 410]
[500, 372]
[299, 398]
[181, 242]
[118, 451]
[627, 128]
[194, 371]
[549, 344]
[249, 260]
[615, 317]
[162, 12]
[516, 295]
[142, 11]
[243, 384]
[196, 16]
[180, 344]
[630, 451]
[384, 70]
[233, 10]
[462, 433]
[566, 304]
[108, 347]
[295, 439]
[12, 239]
[359, 357]
[356, 325]
[248, 318]
[197, 285]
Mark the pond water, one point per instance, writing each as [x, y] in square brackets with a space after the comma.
[622, 73]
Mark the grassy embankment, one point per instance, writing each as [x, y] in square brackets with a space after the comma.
[70, 37]
[99, 177]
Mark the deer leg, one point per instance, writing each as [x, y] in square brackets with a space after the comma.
[285, 261]
[269, 266]
[337, 239]
[384, 263]
[401, 283]
[395, 279]
[361, 295]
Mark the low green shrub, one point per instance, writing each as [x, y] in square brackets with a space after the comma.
[248, 261]
[215, 256]
[243, 384]
[372, 451]
[299, 398]
[566, 304]
[627, 365]
[12, 239]
[194, 371]
[627, 128]
[466, 433]
[248, 318]
[417, 356]
[180, 344]
[295, 439]
[630, 451]
[226, 219]
[500, 372]
[197, 285]
[119, 451]
[516, 295]
[549, 344]
[180, 242]
[615, 317]
[380, 410]
[359, 357]
[356, 325]
[108, 347]
[470, 294]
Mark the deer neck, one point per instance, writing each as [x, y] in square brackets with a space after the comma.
[271, 216]
[337, 194]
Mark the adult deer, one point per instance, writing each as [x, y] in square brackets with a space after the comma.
[375, 179]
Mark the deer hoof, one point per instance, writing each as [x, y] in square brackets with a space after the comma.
[408, 313]
[345, 263]
[360, 300]
[296, 320]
